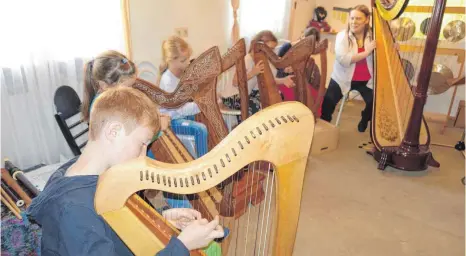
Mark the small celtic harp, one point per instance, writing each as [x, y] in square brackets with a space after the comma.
[269, 135]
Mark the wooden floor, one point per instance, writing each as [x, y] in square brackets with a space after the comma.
[351, 208]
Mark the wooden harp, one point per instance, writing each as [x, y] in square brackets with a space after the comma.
[399, 131]
[269, 135]
[198, 84]
[299, 58]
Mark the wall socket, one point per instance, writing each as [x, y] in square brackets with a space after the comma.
[181, 32]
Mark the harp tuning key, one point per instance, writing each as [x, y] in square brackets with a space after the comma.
[175, 183]
[289, 118]
[215, 168]
[265, 127]
[271, 124]
[296, 119]
[152, 176]
[222, 162]
[228, 157]
[259, 130]
[164, 180]
[203, 176]
[247, 140]
[186, 181]
[234, 152]
[140, 175]
[169, 182]
[181, 182]
[240, 145]
[210, 172]
[192, 180]
[278, 121]
[284, 120]
[147, 174]
[158, 179]
[253, 135]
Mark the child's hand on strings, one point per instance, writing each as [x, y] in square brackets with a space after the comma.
[258, 68]
[181, 217]
[288, 81]
[289, 70]
[200, 233]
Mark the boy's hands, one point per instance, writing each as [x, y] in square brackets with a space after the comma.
[200, 233]
[181, 217]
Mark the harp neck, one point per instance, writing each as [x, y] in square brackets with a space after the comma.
[269, 135]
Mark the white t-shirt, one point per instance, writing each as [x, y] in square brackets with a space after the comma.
[169, 82]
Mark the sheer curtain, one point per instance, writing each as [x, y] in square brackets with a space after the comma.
[45, 45]
[257, 15]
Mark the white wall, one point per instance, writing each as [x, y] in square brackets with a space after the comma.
[152, 21]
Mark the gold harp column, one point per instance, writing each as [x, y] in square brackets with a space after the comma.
[127, 28]
[235, 29]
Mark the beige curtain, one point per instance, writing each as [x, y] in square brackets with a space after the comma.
[235, 29]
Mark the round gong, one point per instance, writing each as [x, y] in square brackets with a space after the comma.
[403, 28]
[425, 25]
[439, 79]
[391, 9]
[454, 31]
[408, 68]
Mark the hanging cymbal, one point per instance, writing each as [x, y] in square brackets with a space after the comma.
[408, 68]
[425, 25]
[403, 28]
[454, 31]
[439, 78]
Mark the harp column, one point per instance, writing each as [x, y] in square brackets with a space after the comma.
[235, 28]
[410, 142]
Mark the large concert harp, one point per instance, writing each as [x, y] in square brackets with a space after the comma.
[299, 58]
[399, 132]
[269, 135]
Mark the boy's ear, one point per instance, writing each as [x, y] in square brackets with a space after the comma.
[113, 130]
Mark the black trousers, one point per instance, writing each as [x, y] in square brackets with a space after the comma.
[333, 96]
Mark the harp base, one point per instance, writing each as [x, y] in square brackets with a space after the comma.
[400, 159]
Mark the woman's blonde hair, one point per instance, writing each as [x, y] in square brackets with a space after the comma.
[172, 48]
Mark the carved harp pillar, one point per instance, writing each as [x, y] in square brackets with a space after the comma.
[299, 58]
[399, 131]
[235, 28]
[198, 84]
[269, 135]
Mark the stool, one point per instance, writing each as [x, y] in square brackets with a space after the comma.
[230, 114]
[343, 100]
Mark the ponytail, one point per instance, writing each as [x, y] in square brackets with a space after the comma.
[109, 68]
[89, 91]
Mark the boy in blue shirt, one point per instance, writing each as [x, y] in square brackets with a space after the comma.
[122, 123]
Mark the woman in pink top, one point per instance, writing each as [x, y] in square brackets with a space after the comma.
[353, 67]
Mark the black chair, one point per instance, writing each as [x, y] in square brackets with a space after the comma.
[67, 105]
